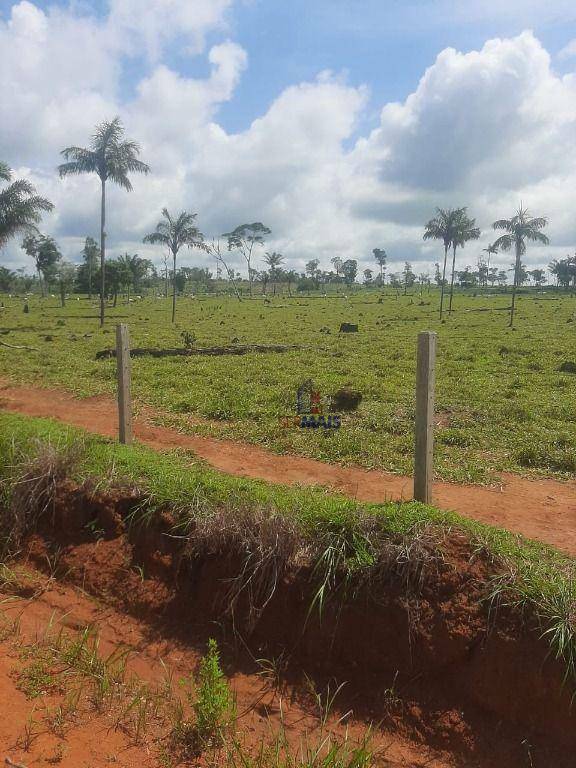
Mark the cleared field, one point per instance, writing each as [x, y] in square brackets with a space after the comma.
[502, 402]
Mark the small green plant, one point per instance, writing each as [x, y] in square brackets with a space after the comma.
[188, 339]
[214, 704]
[213, 707]
[37, 679]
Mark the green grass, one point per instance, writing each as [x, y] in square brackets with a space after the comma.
[343, 538]
[502, 403]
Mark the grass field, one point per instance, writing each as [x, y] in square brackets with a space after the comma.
[502, 403]
[343, 540]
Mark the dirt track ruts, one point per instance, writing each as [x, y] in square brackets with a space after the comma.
[540, 509]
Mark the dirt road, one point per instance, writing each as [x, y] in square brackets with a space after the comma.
[539, 509]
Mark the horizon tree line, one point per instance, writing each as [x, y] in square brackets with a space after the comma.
[113, 158]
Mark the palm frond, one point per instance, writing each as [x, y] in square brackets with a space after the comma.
[504, 243]
[538, 223]
[20, 207]
[157, 238]
[503, 224]
[78, 160]
[5, 172]
[108, 132]
[538, 237]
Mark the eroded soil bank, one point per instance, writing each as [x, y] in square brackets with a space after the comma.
[539, 509]
[422, 653]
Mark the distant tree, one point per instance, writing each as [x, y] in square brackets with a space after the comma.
[274, 261]
[490, 251]
[465, 230]
[482, 272]
[564, 270]
[197, 277]
[502, 278]
[21, 208]
[408, 277]
[215, 250]
[467, 278]
[174, 232]
[45, 253]
[337, 262]
[138, 269]
[437, 275]
[539, 277]
[291, 277]
[91, 256]
[312, 271]
[65, 275]
[443, 227]
[523, 274]
[368, 277]
[244, 238]
[7, 279]
[349, 270]
[117, 277]
[492, 276]
[423, 279]
[519, 229]
[395, 282]
[380, 258]
[263, 277]
[111, 158]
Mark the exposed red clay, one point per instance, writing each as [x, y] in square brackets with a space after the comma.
[540, 509]
[92, 740]
[444, 681]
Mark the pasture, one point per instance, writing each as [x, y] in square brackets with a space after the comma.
[502, 403]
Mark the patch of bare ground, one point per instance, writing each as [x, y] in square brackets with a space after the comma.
[539, 509]
[44, 722]
[415, 653]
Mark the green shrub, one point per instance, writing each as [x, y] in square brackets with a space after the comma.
[213, 705]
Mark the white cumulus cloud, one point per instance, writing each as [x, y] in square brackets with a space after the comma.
[486, 128]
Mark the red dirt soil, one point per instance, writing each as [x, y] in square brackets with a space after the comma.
[539, 509]
[450, 685]
[92, 741]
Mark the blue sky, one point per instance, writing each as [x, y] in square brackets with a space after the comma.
[421, 103]
[385, 44]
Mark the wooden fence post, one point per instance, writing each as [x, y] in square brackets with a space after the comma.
[124, 382]
[424, 428]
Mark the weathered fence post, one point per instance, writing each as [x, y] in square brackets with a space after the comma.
[424, 428]
[124, 381]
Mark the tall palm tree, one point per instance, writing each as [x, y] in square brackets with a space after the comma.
[175, 232]
[443, 227]
[380, 257]
[110, 157]
[465, 230]
[491, 250]
[21, 208]
[274, 261]
[519, 229]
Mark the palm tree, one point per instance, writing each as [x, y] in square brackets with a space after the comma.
[519, 229]
[274, 260]
[491, 250]
[20, 207]
[380, 257]
[112, 158]
[443, 227]
[465, 230]
[174, 233]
